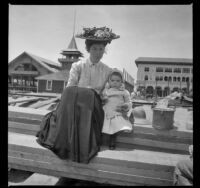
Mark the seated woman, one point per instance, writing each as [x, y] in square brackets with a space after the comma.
[79, 116]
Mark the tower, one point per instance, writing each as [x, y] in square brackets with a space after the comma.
[71, 54]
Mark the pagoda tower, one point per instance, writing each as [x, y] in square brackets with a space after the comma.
[70, 55]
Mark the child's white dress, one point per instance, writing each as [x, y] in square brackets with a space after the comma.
[113, 120]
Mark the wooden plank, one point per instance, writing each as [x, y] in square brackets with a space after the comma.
[99, 159]
[150, 157]
[39, 179]
[24, 99]
[43, 103]
[27, 113]
[136, 139]
[154, 143]
[97, 174]
[55, 161]
[170, 133]
[70, 175]
[26, 121]
[36, 94]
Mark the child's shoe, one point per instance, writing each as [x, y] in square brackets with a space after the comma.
[112, 143]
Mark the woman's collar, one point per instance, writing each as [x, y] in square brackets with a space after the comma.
[93, 64]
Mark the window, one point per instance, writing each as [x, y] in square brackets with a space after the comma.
[174, 79]
[166, 78]
[187, 79]
[49, 85]
[169, 78]
[168, 69]
[146, 77]
[20, 68]
[178, 79]
[183, 79]
[177, 70]
[146, 69]
[186, 70]
[159, 69]
[157, 78]
[161, 78]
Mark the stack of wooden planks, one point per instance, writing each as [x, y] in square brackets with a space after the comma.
[145, 157]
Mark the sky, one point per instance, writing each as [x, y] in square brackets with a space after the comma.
[145, 31]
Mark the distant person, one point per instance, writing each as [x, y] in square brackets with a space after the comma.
[133, 95]
[183, 174]
[117, 108]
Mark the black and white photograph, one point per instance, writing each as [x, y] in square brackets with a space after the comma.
[100, 95]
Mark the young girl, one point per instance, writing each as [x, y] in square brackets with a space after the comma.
[117, 107]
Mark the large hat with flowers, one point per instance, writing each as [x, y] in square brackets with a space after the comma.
[98, 34]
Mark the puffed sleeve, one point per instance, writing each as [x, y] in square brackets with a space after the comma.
[127, 99]
[74, 74]
[107, 71]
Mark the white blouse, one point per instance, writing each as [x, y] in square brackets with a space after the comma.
[85, 74]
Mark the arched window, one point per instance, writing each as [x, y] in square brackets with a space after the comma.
[183, 79]
[178, 79]
[146, 77]
[166, 78]
[174, 79]
[187, 79]
[157, 78]
[161, 78]
[170, 78]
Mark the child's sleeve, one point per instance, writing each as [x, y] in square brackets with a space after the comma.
[127, 99]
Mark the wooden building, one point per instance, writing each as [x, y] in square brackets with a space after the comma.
[23, 70]
[56, 82]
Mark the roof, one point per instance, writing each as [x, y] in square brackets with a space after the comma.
[72, 48]
[61, 75]
[46, 61]
[72, 44]
[159, 60]
[42, 61]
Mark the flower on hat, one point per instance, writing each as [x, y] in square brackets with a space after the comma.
[101, 33]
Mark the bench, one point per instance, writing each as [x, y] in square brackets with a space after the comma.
[147, 157]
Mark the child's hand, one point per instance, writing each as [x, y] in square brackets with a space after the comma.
[122, 108]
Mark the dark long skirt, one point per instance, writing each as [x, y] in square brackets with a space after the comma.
[76, 131]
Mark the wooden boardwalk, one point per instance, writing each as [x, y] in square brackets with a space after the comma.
[145, 157]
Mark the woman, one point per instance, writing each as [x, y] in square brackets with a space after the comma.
[79, 116]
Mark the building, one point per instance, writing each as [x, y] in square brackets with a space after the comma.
[23, 70]
[56, 82]
[128, 81]
[161, 76]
